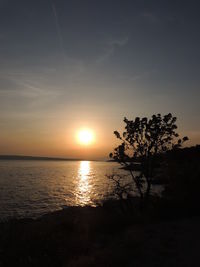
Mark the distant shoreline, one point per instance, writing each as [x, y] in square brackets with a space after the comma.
[17, 157]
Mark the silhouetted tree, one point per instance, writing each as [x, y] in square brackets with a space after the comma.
[142, 144]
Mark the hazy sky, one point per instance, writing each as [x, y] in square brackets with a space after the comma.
[65, 65]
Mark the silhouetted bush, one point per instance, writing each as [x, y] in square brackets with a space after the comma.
[183, 171]
[143, 144]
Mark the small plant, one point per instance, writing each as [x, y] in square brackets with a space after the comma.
[122, 187]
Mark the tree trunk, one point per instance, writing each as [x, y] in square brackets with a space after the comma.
[147, 193]
[137, 186]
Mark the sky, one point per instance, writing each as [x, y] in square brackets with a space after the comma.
[67, 65]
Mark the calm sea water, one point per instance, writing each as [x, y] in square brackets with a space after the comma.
[33, 188]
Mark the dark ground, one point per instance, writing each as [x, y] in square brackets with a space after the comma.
[100, 236]
[167, 233]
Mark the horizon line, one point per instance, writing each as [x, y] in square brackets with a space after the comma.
[30, 157]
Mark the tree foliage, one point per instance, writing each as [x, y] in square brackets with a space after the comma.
[142, 144]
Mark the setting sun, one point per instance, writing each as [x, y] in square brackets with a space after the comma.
[85, 137]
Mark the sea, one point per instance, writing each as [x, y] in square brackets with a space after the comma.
[31, 188]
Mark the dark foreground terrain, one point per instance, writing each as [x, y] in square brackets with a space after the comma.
[103, 236]
[166, 232]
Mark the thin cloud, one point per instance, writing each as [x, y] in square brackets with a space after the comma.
[111, 46]
[143, 75]
[59, 34]
[150, 17]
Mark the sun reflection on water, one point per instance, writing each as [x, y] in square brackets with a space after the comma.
[84, 187]
[84, 169]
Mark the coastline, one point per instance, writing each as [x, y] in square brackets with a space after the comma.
[36, 158]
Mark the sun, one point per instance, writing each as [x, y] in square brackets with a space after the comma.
[85, 137]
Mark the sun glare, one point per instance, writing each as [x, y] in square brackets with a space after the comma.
[85, 137]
